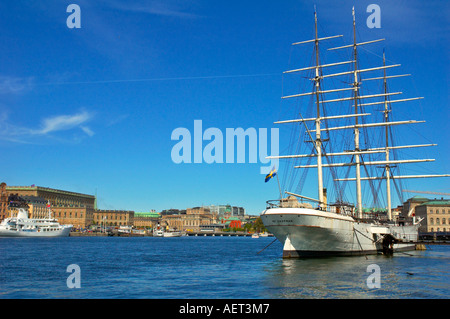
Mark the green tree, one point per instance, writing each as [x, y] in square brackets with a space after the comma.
[259, 226]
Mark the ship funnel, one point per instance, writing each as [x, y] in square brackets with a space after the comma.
[22, 214]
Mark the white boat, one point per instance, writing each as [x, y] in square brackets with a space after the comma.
[158, 231]
[125, 229]
[307, 232]
[321, 229]
[172, 234]
[22, 226]
[255, 235]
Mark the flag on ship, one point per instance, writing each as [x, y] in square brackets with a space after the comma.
[272, 174]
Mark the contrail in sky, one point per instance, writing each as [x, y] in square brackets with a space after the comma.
[159, 79]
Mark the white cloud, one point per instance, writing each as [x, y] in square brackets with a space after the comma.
[15, 85]
[87, 130]
[156, 7]
[48, 129]
[64, 122]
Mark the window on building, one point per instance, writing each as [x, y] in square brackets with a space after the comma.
[431, 221]
[437, 221]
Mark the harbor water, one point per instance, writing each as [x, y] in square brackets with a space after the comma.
[210, 268]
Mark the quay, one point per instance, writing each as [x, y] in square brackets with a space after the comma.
[86, 234]
[441, 238]
[424, 239]
[189, 234]
[222, 234]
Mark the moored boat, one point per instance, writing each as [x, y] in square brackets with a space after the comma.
[22, 226]
[172, 234]
[341, 229]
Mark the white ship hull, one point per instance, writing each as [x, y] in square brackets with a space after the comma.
[172, 234]
[64, 232]
[306, 232]
[22, 226]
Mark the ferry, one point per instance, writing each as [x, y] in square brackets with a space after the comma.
[22, 226]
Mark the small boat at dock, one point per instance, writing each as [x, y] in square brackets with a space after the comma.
[172, 234]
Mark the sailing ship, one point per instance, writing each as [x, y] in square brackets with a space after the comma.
[342, 229]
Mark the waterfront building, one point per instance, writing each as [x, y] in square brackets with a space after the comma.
[232, 222]
[37, 206]
[68, 207]
[238, 211]
[175, 222]
[114, 217]
[226, 210]
[197, 211]
[436, 214]
[220, 210]
[146, 219]
[3, 202]
[375, 213]
[409, 206]
[14, 203]
[173, 211]
[191, 221]
[396, 213]
[212, 227]
[198, 216]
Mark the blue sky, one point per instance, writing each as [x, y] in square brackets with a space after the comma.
[93, 109]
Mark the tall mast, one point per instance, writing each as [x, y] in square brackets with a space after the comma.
[356, 94]
[358, 101]
[388, 167]
[49, 211]
[318, 142]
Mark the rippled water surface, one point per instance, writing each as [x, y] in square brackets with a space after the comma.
[208, 267]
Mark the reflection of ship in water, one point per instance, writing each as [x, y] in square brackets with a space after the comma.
[336, 278]
[342, 229]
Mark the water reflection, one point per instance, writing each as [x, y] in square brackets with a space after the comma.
[318, 278]
[209, 268]
[402, 276]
